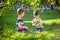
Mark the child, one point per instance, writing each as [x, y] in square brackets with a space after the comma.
[37, 22]
[19, 23]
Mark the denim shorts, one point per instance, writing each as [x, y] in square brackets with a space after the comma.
[38, 29]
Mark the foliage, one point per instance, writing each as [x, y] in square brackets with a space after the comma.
[34, 3]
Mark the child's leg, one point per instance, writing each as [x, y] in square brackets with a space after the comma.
[25, 28]
[34, 29]
[19, 29]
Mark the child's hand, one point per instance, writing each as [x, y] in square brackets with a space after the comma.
[33, 24]
[37, 25]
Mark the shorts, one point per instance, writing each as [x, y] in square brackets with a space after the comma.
[38, 29]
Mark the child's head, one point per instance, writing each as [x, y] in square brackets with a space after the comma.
[36, 14]
[20, 12]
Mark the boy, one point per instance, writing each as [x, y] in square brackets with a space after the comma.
[37, 22]
[19, 23]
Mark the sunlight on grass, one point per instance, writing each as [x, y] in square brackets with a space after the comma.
[49, 22]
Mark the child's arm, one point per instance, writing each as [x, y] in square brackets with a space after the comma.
[33, 24]
[22, 26]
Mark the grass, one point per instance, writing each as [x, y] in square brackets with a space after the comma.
[51, 23]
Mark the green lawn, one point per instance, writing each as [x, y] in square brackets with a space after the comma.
[51, 23]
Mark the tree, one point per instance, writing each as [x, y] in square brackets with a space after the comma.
[9, 3]
[34, 3]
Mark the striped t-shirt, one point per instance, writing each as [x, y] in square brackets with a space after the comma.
[19, 21]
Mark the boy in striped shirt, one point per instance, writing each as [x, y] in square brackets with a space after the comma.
[19, 23]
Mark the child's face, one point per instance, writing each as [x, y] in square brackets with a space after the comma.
[36, 16]
[22, 14]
